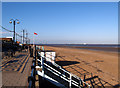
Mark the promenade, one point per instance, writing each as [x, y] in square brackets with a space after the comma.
[15, 70]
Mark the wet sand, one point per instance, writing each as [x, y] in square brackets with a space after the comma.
[82, 62]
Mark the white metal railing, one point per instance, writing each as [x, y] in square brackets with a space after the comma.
[49, 57]
[79, 83]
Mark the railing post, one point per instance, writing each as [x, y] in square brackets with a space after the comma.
[35, 55]
[64, 73]
[31, 79]
[42, 63]
[89, 86]
[70, 83]
[79, 83]
[43, 48]
[34, 78]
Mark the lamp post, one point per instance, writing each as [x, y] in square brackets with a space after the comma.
[14, 22]
[23, 35]
[26, 37]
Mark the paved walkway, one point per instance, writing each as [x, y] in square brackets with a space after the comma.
[15, 70]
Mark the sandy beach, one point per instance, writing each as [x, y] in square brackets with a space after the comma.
[82, 62]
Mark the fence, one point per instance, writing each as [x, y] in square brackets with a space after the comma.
[59, 74]
[53, 73]
[32, 78]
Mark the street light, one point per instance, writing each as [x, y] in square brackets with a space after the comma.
[14, 21]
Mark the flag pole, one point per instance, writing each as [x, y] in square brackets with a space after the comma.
[33, 40]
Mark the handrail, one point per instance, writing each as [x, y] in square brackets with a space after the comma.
[61, 75]
[31, 79]
[52, 68]
[46, 57]
[59, 66]
[69, 77]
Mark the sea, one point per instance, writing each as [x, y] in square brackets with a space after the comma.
[98, 47]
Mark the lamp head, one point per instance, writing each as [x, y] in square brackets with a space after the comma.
[18, 22]
[10, 22]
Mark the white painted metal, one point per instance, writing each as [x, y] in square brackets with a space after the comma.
[79, 83]
[70, 83]
[51, 80]
[50, 57]
[37, 67]
[58, 75]
[61, 76]
[42, 63]
[61, 68]
[54, 71]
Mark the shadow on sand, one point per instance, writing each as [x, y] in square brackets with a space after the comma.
[66, 63]
[97, 82]
[94, 80]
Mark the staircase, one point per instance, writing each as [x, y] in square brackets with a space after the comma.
[53, 74]
[57, 75]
